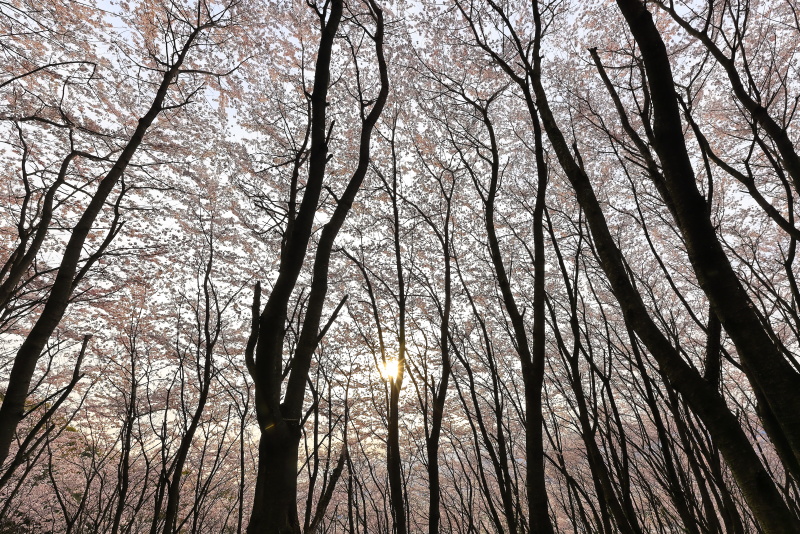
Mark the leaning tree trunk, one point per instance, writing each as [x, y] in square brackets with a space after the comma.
[13, 407]
[771, 375]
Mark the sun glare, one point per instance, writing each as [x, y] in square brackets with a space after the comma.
[390, 369]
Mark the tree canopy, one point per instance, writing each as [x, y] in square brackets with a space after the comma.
[354, 266]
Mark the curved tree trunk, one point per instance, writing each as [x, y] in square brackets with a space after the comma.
[275, 507]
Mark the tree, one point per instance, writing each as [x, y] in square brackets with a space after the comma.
[183, 31]
[275, 504]
[575, 235]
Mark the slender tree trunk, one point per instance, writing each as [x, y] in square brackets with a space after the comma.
[123, 480]
[531, 357]
[757, 486]
[534, 379]
[13, 407]
[173, 495]
[434, 514]
[394, 460]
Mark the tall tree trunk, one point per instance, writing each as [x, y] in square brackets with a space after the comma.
[766, 367]
[534, 379]
[275, 506]
[531, 357]
[13, 407]
[437, 415]
[393, 459]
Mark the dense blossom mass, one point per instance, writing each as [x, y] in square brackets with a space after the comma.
[355, 266]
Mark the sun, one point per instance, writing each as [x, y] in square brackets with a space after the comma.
[389, 369]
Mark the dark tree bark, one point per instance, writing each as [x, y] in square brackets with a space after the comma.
[531, 355]
[394, 463]
[131, 414]
[275, 500]
[13, 407]
[771, 375]
[756, 484]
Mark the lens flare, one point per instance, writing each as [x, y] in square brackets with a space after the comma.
[390, 369]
